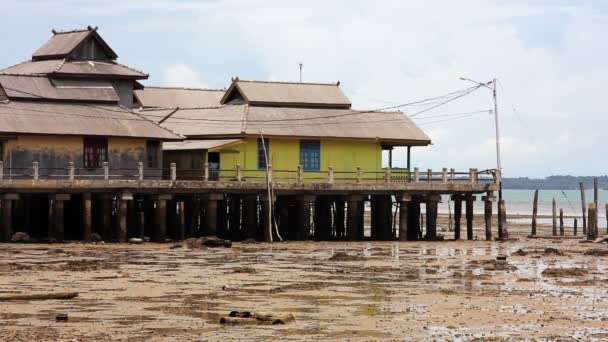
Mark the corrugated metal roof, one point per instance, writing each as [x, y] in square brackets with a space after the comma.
[197, 144]
[82, 68]
[40, 87]
[289, 94]
[245, 120]
[61, 44]
[77, 119]
[168, 97]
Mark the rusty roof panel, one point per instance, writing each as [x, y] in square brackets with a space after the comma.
[62, 43]
[40, 87]
[328, 95]
[28, 117]
[62, 67]
[167, 97]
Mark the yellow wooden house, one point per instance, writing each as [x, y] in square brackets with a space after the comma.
[292, 125]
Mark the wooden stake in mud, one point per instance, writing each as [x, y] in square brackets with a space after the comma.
[554, 217]
[583, 207]
[575, 226]
[503, 231]
[487, 214]
[469, 215]
[561, 222]
[534, 213]
[457, 215]
[591, 232]
[596, 201]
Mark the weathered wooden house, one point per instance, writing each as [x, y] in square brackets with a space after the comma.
[310, 125]
[71, 103]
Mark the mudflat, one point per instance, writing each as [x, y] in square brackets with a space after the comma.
[450, 290]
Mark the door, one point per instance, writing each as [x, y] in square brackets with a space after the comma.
[213, 158]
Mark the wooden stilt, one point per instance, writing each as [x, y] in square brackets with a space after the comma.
[180, 231]
[596, 201]
[469, 199]
[211, 213]
[413, 226]
[234, 222]
[87, 217]
[106, 216]
[141, 218]
[404, 204]
[503, 231]
[339, 219]
[353, 218]
[554, 215]
[583, 207]
[534, 213]
[7, 217]
[561, 222]
[121, 233]
[457, 215]
[322, 218]
[160, 219]
[431, 216]
[487, 214]
[575, 226]
[591, 214]
[267, 223]
[250, 216]
[304, 206]
[58, 216]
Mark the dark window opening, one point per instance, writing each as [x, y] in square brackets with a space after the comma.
[153, 153]
[310, 155]
[261, 154]
[95, 152]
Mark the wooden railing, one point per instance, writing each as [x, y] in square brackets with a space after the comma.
[238, 174]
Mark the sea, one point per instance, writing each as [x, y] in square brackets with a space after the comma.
[519, 202]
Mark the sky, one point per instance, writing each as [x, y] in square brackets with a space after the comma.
[550, 59]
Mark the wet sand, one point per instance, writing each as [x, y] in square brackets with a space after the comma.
[388, 291]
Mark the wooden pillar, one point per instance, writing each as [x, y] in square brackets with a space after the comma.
[596, 201]
[234, 221]
[58, 216]
[503, 231]
[487, 214]
[353, 218]
[413, 225]
[322, 218]
[180, 229]
[141, 218]
[121, 217]
[211, 213]
[431, 216]
[106, 216]
[575, 226]
[534, 213]
[339, 219]
[457, 215]
[304, 203]
[404, 203]
[7, 216]
[381, 213]
[267, 221]
[469, 199]
[583, 206]
[160, 218]
[591, 214]
[87, 217]
[561, 222]
[250, 216]
[554, 215]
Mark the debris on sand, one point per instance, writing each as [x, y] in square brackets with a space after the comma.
[249, 240]
[96, 237]
[211, 241]
[176, 245]
[601, 239]
[492, 265]
[564, 272]
[501, 257]
[553, 251]
[61, 317]
[136, 241]
[87, 265]
[247, 317]
[21, 237]
[244, 270]
[343, 256]
[520, 252]
[40, 296]
[597, 252]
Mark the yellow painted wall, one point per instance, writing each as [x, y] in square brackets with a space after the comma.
[343, 155]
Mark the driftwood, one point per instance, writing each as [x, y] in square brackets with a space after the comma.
[40, 296]
[246, 317]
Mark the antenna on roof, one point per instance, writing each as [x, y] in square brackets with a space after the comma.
[300, 65]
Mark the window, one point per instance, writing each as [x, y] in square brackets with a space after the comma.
[95, 152]
[153, 153]
[310, 155]
[261, 155]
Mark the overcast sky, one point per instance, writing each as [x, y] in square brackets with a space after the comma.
[551, 58]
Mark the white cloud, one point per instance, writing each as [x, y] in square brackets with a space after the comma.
[182, 75]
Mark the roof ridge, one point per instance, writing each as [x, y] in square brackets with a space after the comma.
[185, 88]
[14, 65]
[290, 82]
[86, 29]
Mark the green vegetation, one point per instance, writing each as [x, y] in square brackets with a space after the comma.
[553, 182]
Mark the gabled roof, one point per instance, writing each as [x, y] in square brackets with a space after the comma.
[171, 97]
[62, 67]
[63, 43]
[42, 88]
[233, 121]
[287, 94]
[34, 117]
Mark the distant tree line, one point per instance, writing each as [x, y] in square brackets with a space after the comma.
[553, 182]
